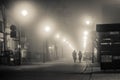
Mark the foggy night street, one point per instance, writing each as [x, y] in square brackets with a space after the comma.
[59, 39]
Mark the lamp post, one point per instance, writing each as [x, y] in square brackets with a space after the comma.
[56, 45]
[23, 13]
[85, 36]
[19, 14]
[88, 22]
[3, 12]
[64, 41]
[47, 29]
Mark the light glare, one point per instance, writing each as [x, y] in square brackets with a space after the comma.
[24, 12]
[86, 33]
[87, 22]
[50, 47]
[64, 40]
[47, 28]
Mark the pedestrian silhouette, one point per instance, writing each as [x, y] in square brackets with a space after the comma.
[74, 54]
[79, 56]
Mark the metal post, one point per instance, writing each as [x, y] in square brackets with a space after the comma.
[19, 46]
[43, 53]
[92, 47]
[4, 24]
[47, 52]
[92, 57]
[56, 50]
[62, 51]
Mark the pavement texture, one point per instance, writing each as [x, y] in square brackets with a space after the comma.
[57, 70]
[64, 66]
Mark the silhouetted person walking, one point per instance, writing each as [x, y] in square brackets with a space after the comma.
[74, 54]
[79, 56]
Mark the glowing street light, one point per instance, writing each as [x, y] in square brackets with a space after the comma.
[50, 47]
[47, 28]
[85, 33]
[64, 40]
[24, 12]
[87, 22]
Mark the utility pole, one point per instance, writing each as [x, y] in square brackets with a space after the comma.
[56, 51]
[44, 53]
[62, 51]
[93, 40]
[47, 51]
[19, 45]
[4, 28]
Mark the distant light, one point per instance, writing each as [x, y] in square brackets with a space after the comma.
[57, 36]
[47, 28]
[50, 47]
[24, 12]
[19, 46]
[87, 22]
[11, 59]
[64, 40]
[85, 33]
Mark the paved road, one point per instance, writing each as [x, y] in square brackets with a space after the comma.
[59, 70]
[66, 66]
[43, 76]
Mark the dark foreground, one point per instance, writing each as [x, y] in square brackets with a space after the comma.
[56, 71]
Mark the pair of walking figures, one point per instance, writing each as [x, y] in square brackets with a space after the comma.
[74, 54]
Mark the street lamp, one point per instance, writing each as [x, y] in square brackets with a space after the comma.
[57, 46]
[47, 29]
[87, 22]
[50, 47]
[64, 40]
[24, 12]
[19, 13]
[85, 33]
